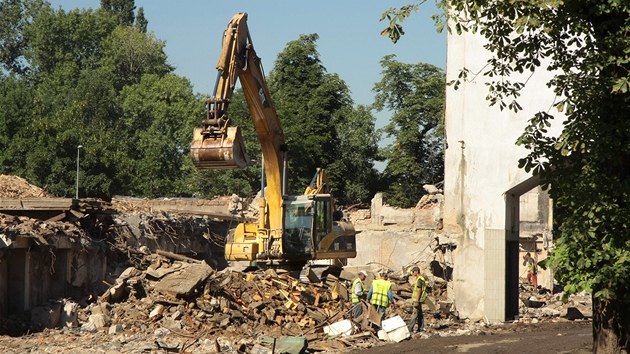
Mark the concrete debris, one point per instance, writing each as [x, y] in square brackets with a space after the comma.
[542, 303]
[394, 330]
[139, 275]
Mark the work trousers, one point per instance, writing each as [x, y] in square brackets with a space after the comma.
[418, 317]
[357, 310]
[380, 310]
[533, 278]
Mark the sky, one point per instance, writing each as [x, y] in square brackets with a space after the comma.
[349, 44]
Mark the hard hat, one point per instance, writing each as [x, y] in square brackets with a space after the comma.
[383, 272]
[363, 272]
[415, 268]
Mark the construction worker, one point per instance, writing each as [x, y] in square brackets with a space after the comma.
[532, 270]
[380, 294]
[359, 292]
[418, 296]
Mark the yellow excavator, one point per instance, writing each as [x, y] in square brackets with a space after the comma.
[290, 229]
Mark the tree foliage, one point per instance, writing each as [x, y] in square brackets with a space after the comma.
[122, 10]
[80, 71]
[315, 109]
[414, 93]
[130, 53]
[15, 16]
[586, 167]
[98, 79]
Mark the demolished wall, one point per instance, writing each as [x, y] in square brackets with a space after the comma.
[49, 247]
[55, 248]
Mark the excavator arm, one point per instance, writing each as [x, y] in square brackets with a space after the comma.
[220, 146]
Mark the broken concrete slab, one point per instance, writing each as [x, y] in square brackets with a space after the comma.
[184, 282]
[393, 330]
[574, 314]
[341, 328]
[46, 316]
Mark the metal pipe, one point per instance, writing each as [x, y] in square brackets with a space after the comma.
[262, 177]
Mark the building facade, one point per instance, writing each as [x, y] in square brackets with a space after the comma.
[485, 190]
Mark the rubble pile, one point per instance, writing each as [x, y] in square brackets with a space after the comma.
[183, 299]
[541, 303]
[178, 304]
[17, 187]
[12, 227]
[139, 275]
[139, 234]
[182, 304]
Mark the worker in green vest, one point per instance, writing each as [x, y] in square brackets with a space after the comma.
[380, 294]
[359, 292]
[418, 296]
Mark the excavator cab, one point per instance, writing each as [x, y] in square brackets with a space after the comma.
[310, 232]
[298, 226]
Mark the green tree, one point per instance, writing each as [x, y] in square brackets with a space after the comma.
[141, 22]
[66, 41]
[69, 98]
[353, 172]
[313, 107]
[108, 88]
[159, 138]
[586, 167]
[15, 16]
[130, 53]
[122, 10]
[414, 93]
[16, 98]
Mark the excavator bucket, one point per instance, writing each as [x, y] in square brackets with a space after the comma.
[220, 151]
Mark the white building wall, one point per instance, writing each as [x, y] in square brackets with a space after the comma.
[481, 164]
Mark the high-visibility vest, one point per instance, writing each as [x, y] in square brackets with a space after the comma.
[420, 285]
[355, 297]
[380, 288]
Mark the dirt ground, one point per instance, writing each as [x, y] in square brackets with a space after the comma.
[568, 337]
[572, 337]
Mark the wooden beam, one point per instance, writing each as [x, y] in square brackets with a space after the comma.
[56, 218]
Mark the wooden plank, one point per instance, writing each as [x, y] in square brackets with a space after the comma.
[177, 257]
[8, 204]
[36, 204]
[78, 214]
[46, 203]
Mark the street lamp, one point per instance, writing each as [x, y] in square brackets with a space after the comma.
[78, 156]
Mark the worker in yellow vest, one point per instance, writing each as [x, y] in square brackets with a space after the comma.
[380, 294]
[418, 296]
[359, 292]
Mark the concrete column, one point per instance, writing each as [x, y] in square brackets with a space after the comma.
[494, 284]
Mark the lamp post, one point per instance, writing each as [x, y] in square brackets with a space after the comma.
[78, 157]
